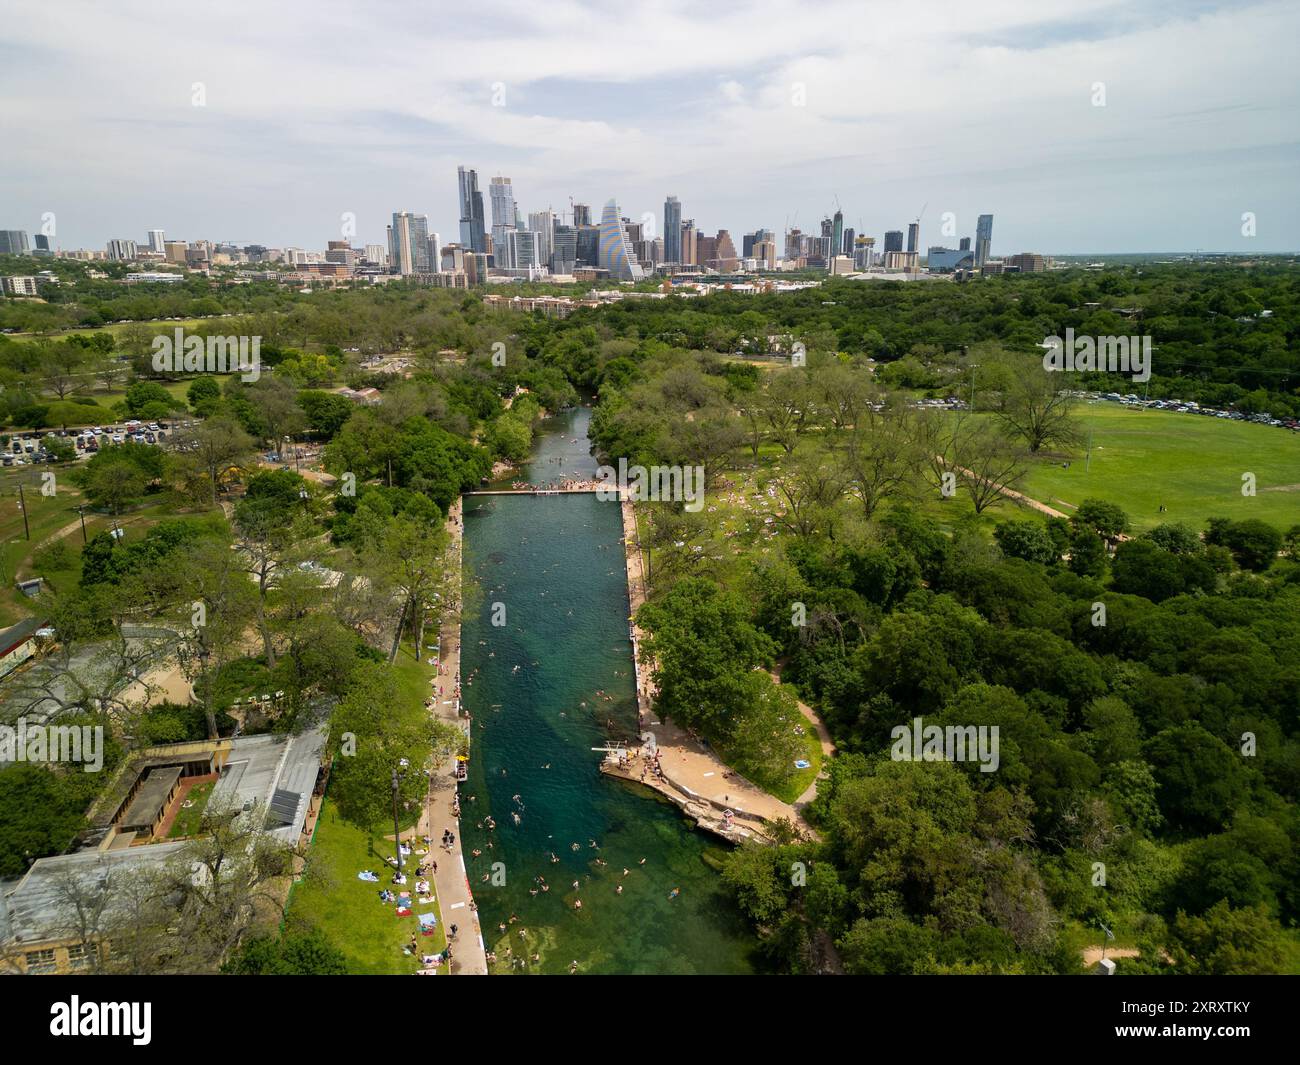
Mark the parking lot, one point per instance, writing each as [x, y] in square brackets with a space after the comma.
[31, 447]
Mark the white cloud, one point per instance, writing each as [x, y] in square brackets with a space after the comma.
[321, 107]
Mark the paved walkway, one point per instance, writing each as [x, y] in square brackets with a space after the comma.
[455, 899]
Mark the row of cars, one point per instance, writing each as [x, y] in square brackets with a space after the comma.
[32, 448]
[1190, 407]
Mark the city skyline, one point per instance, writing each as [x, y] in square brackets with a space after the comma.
[1104, 141]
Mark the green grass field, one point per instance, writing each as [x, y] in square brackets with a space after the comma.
[1191, 465]
[188, 819]
[347, 910]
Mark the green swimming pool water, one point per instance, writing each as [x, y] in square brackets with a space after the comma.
[556, 564]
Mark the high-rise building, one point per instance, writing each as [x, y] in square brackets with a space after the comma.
[690, 242]
[376, 254]
[672, 230]
[564, 249]
[522, 250]
[893, 240]
[581, 215]
[913, 236]
[435, 252]
[965, 244]
[846, 248]
[724, 251]
[13, 242]
[156, 241]
[837, 232]
[983, 239]
[543, 224]
[587, 245]
[1027, 262]
[765, 252]
[408, 244]
[473, 235]
[615, 254]
[118, 250]
[42, 244]
[502, 195]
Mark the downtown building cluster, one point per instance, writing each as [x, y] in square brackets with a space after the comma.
[498, 242]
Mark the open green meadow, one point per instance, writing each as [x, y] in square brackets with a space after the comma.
[1190, 464]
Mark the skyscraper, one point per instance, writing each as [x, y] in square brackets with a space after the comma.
[564, 249]
[473, 235]
[913, 236]
[672, 230]
[847, 246]
[13, 242]
[615, 254]
[893, 240]
[690, 249]
[983, 239]
[837, 233]
[435, 252]
[408, 244]
[543, 224]
[118, 250]
[502, 195]
[156, 241]
[581, 215]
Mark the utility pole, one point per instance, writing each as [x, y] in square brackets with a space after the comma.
[81, 512]
[1087, 462]
[22, 505]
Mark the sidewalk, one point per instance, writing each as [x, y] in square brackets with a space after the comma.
[455, 899]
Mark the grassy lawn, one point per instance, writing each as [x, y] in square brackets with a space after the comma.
[1142, 459]
[48, 515]
[189, 818]
[349, 911]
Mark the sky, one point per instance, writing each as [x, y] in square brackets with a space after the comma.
[1082, 126]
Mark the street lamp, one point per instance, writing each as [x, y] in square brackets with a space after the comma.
[397, 832]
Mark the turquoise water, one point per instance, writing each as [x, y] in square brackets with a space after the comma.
[556, 564]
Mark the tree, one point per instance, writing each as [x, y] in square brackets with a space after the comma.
[382, 736]
[411, 559]
[810, 483]
[1036, 410]
[1201, 781]
[325, 411]
[702, 643]
[141, 395]
[989, 464]
[1253, 543]
[62, 367]
[114, 483]
[220, 602]
[307, 953]
[217, 444]
[880, 455]
[1028, 540]
[1227, 942]
[202, 389]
